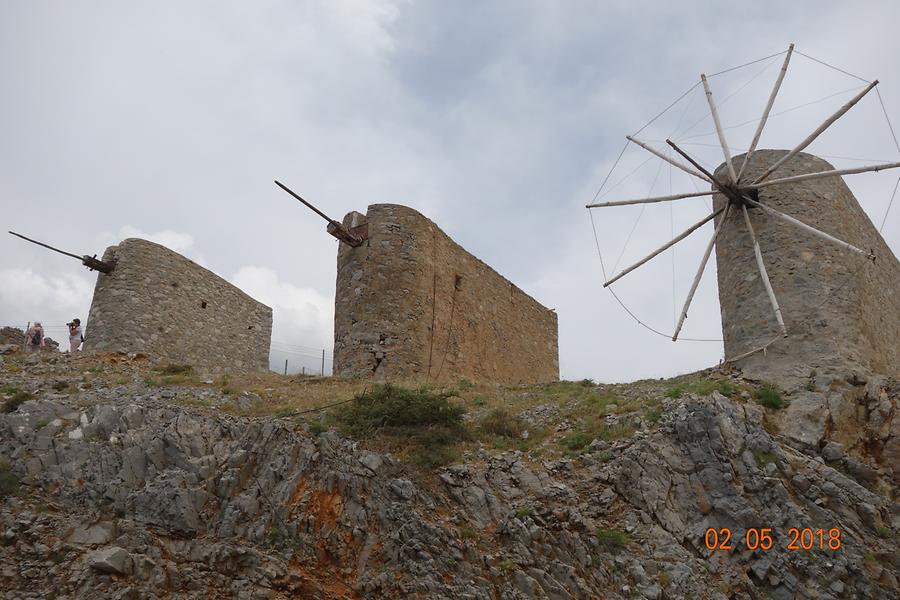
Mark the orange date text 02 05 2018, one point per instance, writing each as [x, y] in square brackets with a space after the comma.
[764, 539]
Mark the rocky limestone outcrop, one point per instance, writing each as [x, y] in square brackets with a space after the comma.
[128, 494]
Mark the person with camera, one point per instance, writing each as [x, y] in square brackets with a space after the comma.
[75, 335]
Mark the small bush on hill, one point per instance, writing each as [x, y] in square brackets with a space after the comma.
[394, 409]
[501, 423]
[768, 396]
[612, 539]
[176, 369]
[423, 417]
[13, 402]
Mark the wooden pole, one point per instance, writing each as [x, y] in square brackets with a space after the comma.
[832, 173]
[666, 246]
[285, 366]
[765, 115]
[672, 162]
[715, 115]
[809, 229]
[699, 274]
[25, 343]
[323, 362]
[649, 200]
[809, 140]
[762, 272]
[727, 191]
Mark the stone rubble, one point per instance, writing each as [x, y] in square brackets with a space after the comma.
[128, 494]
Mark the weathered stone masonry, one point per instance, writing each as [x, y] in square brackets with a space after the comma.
[158, 301]
[411, 303]
[859, 324]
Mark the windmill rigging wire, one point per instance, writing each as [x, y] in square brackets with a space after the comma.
[624, 179]
[622, 304]
[773, 115]
[726, 99]
[822, 62]
[890, 204]
[638, 220]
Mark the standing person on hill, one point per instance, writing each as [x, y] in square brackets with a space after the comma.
[75, 335]
[34, 338]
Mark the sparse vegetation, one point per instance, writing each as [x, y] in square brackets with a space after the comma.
[597, 431]
[612, 539]
[500, 422]
[765, 458]
[653, 415]
[506, 566]
[702, 387]
[317, 427]
[427, 419]
[524, 511]
[14, 401]
[883, 532]
[675, 392]
[176, 369]
[768, 396]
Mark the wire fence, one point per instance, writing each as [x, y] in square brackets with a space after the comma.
[285, 357]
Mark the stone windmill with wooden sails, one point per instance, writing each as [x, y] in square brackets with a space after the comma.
[805, 279]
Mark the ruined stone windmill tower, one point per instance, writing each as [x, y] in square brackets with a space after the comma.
[805, 280]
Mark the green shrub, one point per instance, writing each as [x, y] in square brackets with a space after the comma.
[653, 415]
[501, 423]
[612, 539]
[317, 427]
[423, 417]
[176, 369]
[576, 441]
[726, 388]
[587, 383]
[524, 511]
[13, 402]
[394, 409]
[768, 396]
[675, 392]
[765, 458]
[507, 566]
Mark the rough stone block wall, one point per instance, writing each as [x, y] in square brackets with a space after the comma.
[841, 310]
[413, 304]
[157, 301]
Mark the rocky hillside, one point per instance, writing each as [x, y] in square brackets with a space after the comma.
[121, 478]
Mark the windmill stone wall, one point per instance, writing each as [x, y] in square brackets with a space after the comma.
[411, 303]
[157, 301]
[842, 311]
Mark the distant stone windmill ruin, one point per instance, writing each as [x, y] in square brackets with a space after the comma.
[805, 280]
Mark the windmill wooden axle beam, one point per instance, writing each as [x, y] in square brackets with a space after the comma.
[91, 262]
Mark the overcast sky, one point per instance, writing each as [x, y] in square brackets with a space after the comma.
[498, 120]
